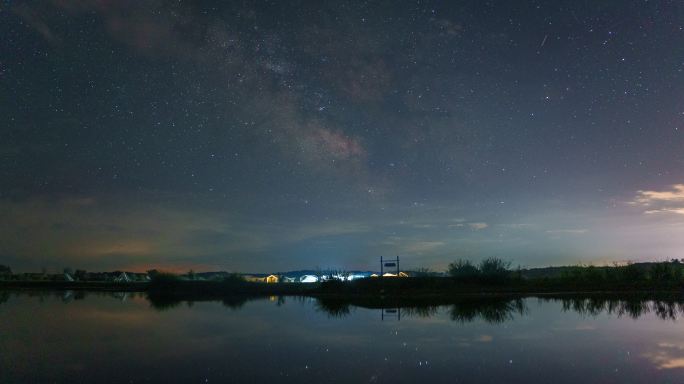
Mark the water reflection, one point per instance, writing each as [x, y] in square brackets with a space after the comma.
[497, 310]
[666, 309]
[490, 309]
[76, 336]
[67, 296]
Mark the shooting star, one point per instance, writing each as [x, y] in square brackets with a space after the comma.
[544, 41]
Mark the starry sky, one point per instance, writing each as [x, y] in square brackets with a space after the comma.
[264, 136]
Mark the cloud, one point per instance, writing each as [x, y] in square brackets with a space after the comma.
[485, 338]
[668, 356]
[117, 247]
[661, 202]
[572, 231]
[459, 225]
[85, 232]
[679, 211]
[476, 226]
[517, 225]
[35, 19]
[420, 247]
[676, 194]
[101, 234]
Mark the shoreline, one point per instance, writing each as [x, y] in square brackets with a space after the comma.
[381, 289]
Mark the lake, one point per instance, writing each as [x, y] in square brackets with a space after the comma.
[73, 337]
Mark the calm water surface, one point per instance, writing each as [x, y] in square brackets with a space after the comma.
[68, 338]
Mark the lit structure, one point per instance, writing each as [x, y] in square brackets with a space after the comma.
[401, 274]
[308, 279]
[271, 279]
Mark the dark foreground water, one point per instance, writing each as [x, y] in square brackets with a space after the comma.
[101, 338]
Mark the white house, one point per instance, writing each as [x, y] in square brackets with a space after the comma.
[123, 278]
[308, 279]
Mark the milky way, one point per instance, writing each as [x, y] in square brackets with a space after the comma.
[263, 136]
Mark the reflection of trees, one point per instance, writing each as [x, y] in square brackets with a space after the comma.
[461, 309]
[489, 310]
[164, 302]
[422, 311]
[334, 308]
[501, 309]
[234, 302]
[634, 307]
[492, 310]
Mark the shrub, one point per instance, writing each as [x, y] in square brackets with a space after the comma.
[632, 273]
[463, 269]
[664, 272]
[494, 270]
[234, 278]
[163, 277]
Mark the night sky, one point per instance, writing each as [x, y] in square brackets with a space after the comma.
[267, 136]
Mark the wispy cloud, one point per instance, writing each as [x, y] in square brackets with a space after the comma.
[516, 225]
[474, 226]
[661, 202]
[424, 246]
[679, 211]
[667, 356]
[570, 231]
[478, 226]
[676, 194]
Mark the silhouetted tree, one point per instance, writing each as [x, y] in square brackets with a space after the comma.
[81, 274]
[494, 270]
[463, 269]
[632, 273]
[5, 272]
[152, 273]
[422, 271]
[664, 272]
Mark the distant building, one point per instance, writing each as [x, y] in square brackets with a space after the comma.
[271, 279]
[254, 278]
[356, 276]
[401, 274]
[122, 278]
[308, 279]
